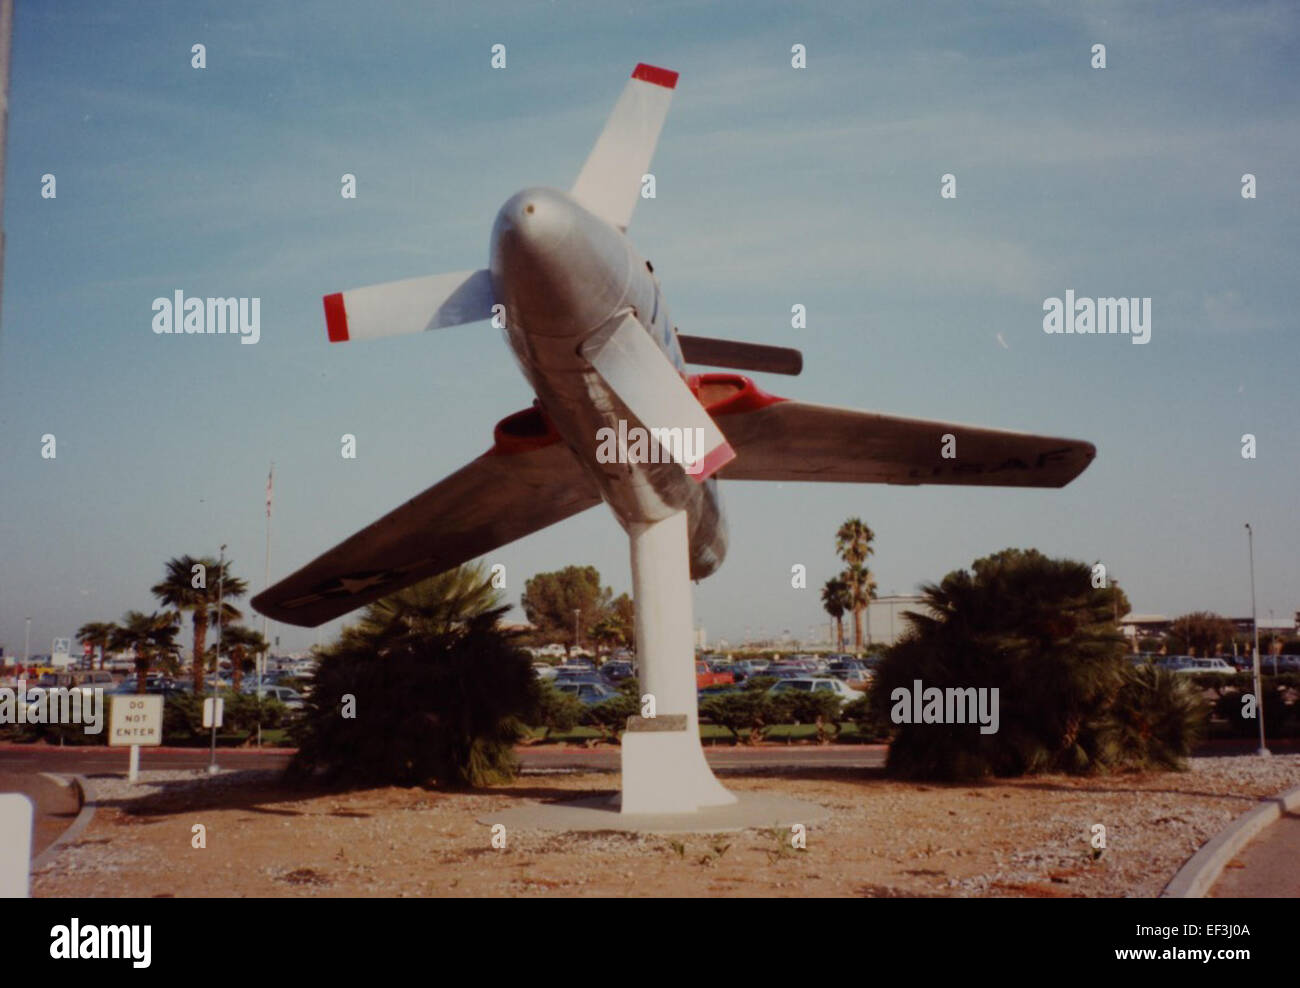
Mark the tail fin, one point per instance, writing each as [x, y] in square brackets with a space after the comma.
[409, 306]
[610, 182]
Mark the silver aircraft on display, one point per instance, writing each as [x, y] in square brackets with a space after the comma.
[586, 319]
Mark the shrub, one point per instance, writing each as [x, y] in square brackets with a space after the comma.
[610, 715]
[1036, 630]
[426, 705]
[820, 708]
[746, 713]
[1154, 719]
[557, 711]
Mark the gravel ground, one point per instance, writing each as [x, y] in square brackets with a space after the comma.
[1023, 837]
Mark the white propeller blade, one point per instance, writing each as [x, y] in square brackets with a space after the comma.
[409, 306]
[645, 381]
[609, 184]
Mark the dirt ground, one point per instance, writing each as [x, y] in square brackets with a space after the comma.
[1025, 837]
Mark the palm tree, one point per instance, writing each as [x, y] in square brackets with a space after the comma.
[836, 602]
[434, 606]
[1037, 630]
[454, 689]
[241, 643]
[149, 637]
[860, 598]
[183, 589]
[607, 632]
[853, 543]
[97, 634]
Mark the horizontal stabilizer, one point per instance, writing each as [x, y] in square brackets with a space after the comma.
[740, 356]
[410, 306]
[609, 184]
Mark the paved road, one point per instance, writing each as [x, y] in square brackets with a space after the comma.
[725, 759]
[1268, 868]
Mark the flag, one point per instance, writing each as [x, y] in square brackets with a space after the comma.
[270, 486]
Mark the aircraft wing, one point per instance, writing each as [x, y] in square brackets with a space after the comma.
[790, 440]
[491, 501]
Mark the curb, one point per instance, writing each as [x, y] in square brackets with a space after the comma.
[87, 797]
[1195, 878]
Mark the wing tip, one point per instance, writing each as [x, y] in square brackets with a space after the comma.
[654, 75]
[336, 318]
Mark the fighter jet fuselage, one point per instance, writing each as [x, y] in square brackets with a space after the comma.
[565, 277]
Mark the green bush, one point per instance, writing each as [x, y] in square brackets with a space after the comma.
[413, 707]
[1154, 719]
[746, 713]
[610, 715]
[557, 711]
[820, 708]
[183, 716]
[1036, 630]
[865, 716]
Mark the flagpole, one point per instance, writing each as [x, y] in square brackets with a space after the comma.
[266, 647]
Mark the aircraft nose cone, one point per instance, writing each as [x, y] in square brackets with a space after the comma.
[533, 222]
[558, 269]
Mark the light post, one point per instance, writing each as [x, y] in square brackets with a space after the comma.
[216, 672]
[27, 643]
[1259, 693]
[1274, 640]
[577, 612]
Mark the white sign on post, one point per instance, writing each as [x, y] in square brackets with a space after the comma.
[207, 711]
[61, 652]
[16, 848]
[135, 720]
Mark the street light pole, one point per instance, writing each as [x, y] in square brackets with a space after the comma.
[577, 612]
[1259, 693]
[27, 643]
[216, 672]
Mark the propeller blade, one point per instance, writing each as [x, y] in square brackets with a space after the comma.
[646, 382]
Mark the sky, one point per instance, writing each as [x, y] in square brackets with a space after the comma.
[775, 186]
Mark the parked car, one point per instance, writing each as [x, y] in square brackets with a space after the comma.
[576, 669]
[153, 684]
[817, 684]
[785, 672]
[850, 671]
[617, 670]
[543, 671]
[587, 692]
[705, 676]
[1192, 665]
[291, 698]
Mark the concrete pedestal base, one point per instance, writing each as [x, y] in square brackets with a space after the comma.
[750, 811]
[664, 770]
